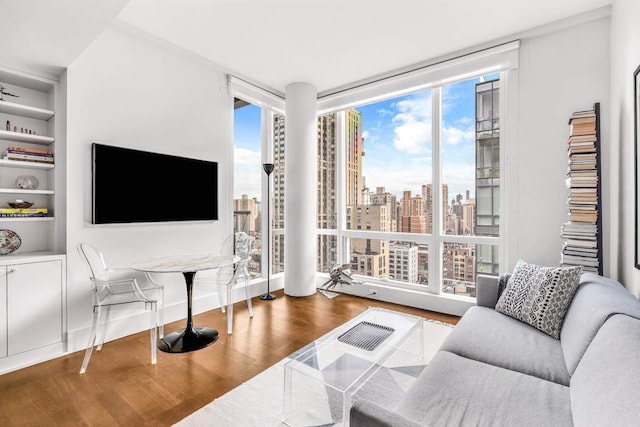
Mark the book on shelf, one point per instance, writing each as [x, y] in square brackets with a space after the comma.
[582, 243]
[581, 138]
[583, 119]
[582, 156]
[583, 173]
[578, 228]
[582, 113]
[575, 259]
[30, 150]
[23, 212]
[27, 157]
[571, 251]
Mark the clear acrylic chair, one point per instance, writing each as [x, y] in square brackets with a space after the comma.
[120, 288]
[226, 278]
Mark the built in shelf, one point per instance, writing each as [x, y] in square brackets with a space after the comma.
[27, 218]
[25, 137]
[25, 165]
[25, 111]
[23, 191]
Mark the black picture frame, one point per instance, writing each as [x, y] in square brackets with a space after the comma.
[636, 141]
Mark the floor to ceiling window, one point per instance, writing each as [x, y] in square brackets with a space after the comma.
[419, 187]
[247, 169]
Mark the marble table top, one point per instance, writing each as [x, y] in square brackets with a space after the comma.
[185, 263]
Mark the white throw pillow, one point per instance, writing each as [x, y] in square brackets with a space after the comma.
[540, 296]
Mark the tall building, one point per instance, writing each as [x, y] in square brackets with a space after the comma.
[413, 219]
[459, 269]
[277, 195]
[327, 205]
[427, 195]
[354, 151]
[382, 197]
[246, 214]
[403, 262]
[369, 257]
[487, 172]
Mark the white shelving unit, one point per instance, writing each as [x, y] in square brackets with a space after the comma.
[36, 271]
[29, 121]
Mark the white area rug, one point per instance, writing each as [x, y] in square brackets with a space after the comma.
[259, 401]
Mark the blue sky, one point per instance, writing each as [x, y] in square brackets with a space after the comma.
[397, 142]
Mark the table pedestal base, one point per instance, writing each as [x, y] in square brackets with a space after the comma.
[187, 339]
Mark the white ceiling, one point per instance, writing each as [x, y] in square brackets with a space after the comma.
[328, 43]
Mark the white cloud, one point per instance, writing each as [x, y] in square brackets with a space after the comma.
[412, 133]
[397, 175]
[246, 156]
[246, 172]
[453, 135]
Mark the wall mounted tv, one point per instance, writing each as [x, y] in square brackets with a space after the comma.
[140, 186]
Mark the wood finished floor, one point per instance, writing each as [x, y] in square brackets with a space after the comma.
[121, 387]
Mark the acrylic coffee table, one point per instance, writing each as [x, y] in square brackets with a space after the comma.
[338, 364]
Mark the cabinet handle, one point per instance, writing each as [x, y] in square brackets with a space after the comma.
[11, 270]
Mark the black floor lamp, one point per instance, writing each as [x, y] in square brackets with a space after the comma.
[268, 168]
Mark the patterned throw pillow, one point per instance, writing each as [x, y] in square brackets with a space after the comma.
[540, 296]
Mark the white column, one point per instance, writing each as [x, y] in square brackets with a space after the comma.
[300, 147]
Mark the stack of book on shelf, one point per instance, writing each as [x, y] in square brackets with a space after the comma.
[23, 212]
[581, 232]
[28, 155]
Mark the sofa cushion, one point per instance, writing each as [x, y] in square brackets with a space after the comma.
[488, 336]
[605, 386]
[595, 301]
[539, 296]
[456, 391]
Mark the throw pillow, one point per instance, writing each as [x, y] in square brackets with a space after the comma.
[540, 296]
[502, 282]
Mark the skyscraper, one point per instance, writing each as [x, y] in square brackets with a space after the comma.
[327, 163]
[487, 172]
[246, 214]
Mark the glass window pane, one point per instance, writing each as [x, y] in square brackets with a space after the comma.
[247, 170]
[327, 253]
[396, 260]
[327, 163]
[388, 188]
[471, 156]
[459, 269]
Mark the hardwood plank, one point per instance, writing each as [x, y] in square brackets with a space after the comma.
[121, 387]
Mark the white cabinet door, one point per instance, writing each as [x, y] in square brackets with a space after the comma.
[34, 305]
[3, 311]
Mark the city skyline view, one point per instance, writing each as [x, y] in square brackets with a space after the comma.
[397, 143]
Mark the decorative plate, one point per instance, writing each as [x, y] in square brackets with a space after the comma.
[9, 242]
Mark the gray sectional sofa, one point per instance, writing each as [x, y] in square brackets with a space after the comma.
[493, 370]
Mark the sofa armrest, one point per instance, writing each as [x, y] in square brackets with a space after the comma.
[366, 413]
[487, 290]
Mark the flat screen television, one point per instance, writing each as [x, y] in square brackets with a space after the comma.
[140, 186]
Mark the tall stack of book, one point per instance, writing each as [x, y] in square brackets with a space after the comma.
[28, 154]
[581, 232]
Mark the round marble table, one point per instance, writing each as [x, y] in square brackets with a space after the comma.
[190, 338]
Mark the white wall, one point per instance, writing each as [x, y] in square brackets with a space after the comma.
[132, 91]
[560, 72]
[625, 58]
